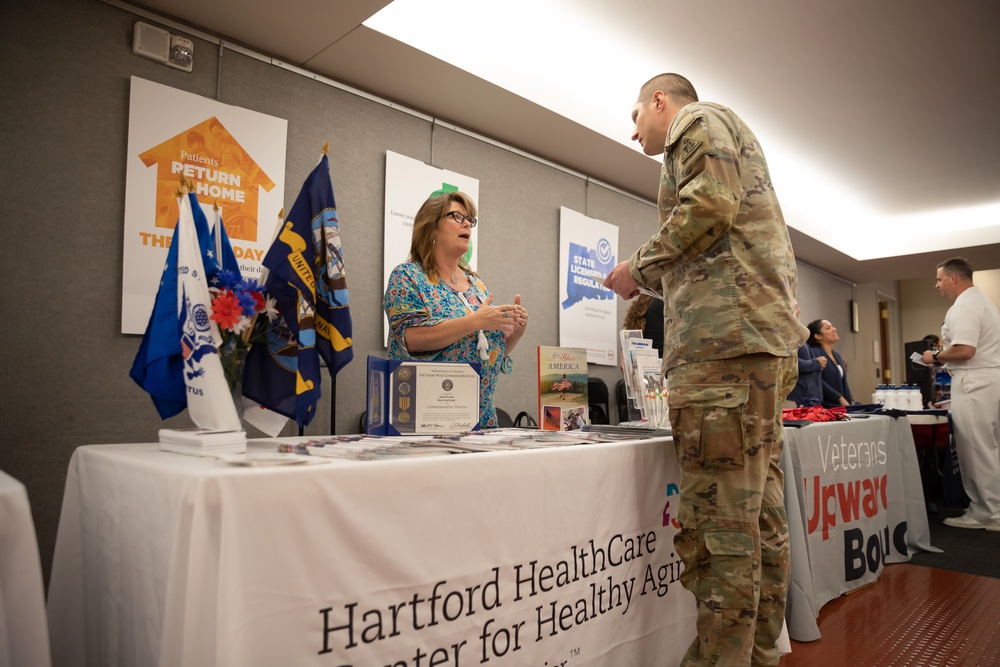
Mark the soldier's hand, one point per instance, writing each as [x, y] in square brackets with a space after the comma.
[621, 282]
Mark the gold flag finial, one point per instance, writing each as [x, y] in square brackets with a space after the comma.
[281, 213]
[326, 148]
[215, 205]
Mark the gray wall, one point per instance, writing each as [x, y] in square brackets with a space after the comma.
[65, 68]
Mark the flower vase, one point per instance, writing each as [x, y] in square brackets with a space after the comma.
[233, 362]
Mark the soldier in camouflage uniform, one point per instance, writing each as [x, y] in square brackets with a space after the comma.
[723, 261]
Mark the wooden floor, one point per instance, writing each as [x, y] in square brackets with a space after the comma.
[913, 615]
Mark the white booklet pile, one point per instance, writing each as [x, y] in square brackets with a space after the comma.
[202, 441]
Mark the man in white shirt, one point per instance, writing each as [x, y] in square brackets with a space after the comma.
[971, 336]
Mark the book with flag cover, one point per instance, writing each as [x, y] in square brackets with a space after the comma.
[562, 388]
[307, 278]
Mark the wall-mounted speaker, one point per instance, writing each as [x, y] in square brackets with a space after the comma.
[151, 42]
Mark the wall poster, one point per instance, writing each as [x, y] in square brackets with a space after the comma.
[234, 157]
[588, 312]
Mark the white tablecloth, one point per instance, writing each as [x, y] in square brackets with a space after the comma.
[24, 637]
[166, 559]
[855, 502]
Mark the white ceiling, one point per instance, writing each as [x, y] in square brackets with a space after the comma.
[879, 119]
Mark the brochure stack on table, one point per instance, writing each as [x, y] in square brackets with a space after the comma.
[202, 441]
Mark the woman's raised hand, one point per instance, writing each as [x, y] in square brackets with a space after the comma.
[495, 318]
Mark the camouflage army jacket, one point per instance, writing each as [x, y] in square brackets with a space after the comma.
[722, 257]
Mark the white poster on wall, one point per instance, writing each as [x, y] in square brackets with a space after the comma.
[588, 312]
[234, 157]
[408, 183]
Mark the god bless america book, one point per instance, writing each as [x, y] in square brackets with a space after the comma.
[562, 388]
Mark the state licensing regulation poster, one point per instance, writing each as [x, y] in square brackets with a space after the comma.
[588, 312]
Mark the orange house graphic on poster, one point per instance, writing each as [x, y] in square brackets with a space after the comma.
[222, 171]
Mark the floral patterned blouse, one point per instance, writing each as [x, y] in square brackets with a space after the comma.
[412, 300]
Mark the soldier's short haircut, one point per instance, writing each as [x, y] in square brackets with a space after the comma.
[676, 87]
[957, 266]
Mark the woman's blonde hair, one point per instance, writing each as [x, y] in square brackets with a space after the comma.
[425, 231]
[635, 317]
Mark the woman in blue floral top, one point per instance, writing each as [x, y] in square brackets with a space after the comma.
[439, 309]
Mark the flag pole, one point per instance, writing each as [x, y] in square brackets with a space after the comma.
[333, 404]
[333, 376]
[218, 233]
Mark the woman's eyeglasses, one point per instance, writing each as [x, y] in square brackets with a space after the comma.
[460, 219]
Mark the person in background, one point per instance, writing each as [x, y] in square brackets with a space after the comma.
[723, 259]
[439, 309]
[808, 391]
[822, 337]
[941, 391]
[971, 335]
[646, 314]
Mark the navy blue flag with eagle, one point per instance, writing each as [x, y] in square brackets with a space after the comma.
[307, 279]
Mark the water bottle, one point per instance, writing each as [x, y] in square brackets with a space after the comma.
[878, 397]
[902, 397]
[891, 397]
[916, 398]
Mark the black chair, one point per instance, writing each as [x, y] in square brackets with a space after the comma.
[621, 400]
[524, 420]
[597, 396]
[503, 419]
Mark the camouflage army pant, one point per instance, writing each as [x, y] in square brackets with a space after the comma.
[726, 420]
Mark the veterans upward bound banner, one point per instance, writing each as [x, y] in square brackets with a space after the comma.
[859, 504]
[234, 157]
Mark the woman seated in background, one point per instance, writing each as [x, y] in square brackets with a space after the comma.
[808, 390]
[439, 309]
[822, 337]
